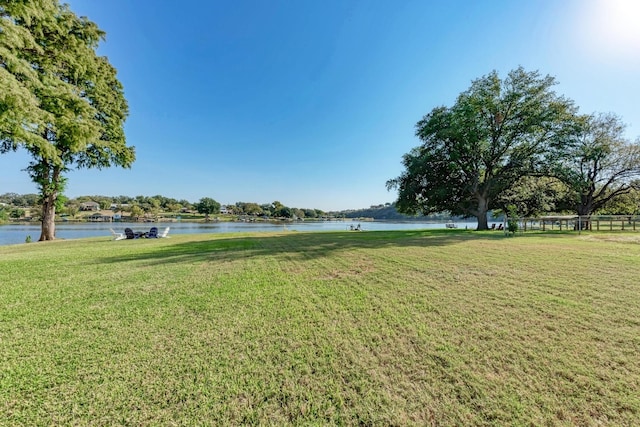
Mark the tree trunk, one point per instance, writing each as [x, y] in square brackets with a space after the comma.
[48, 219]
[481, 214]
[585, 209]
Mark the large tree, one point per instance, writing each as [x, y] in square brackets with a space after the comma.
[599, 165]
[60, 101]
[207, 206]
[494, 134]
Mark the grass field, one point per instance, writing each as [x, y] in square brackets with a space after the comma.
[440, 327]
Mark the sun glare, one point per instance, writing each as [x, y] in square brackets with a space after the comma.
[612, 28]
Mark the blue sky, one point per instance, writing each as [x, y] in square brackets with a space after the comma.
[313, 103]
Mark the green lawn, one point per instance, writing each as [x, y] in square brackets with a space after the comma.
[375, 328]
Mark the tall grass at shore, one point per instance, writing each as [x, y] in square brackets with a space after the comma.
[439, 327]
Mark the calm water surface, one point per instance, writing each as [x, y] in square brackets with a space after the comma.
[13, 234]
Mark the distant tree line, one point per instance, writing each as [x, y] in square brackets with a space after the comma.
[13, 206]
[389, 212]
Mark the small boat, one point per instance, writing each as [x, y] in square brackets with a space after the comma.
[451, 224]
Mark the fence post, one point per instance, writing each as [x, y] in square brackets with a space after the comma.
[579, 225]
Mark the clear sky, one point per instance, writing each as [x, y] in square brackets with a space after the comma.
[313, 103]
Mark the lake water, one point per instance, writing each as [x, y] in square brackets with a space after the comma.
[13, 234]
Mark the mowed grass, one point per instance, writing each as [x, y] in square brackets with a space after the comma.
[375, 328]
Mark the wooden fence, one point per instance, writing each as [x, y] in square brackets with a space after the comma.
[579, 223]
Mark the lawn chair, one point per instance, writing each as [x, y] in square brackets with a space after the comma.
[153, 233]
[130, 234]
[164, 233]
[117, 236]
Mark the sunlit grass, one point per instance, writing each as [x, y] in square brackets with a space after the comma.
[375, 328]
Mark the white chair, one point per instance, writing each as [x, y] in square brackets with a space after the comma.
[117, 236]
[164, 233]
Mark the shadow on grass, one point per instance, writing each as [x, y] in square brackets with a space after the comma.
[294, 245]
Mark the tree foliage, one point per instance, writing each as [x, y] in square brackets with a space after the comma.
[19, 200]
[534, 196]
[60, 101]
[283, 212]
[496, 132]
[623, 204]
[599, 165]
[207, 206]
[247, 208]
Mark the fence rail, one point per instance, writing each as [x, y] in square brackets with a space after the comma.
[579, 223]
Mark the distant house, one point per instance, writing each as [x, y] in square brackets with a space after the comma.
[224, 210]
[89, 206]
[100, 217]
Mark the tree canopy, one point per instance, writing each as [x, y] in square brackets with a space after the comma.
[598, 165]
[207, 206]
[61, 102]
[533, 196]
[496, 132]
